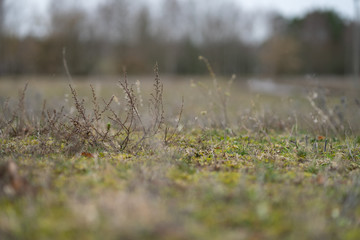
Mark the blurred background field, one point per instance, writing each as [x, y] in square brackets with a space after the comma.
[277, 50]
[103, 37]
[244, 104]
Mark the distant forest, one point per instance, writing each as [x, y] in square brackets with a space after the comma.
[121, 33]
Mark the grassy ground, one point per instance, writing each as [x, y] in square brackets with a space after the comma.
[239, 165]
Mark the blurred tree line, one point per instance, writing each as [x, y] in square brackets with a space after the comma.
[129, 33]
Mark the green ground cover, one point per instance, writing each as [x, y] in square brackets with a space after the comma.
[237, 166]
[207, 186]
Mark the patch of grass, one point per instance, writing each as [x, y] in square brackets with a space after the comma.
[267, 194]
[113, 170]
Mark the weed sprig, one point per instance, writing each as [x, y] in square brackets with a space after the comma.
[100, 126]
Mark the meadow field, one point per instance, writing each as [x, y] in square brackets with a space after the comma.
[164, 157]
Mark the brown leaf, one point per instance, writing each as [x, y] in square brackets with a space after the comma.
[87, 154]
[321, 138]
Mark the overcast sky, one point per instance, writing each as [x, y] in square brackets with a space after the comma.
[296, 7]
[287, 7]
[29, 9]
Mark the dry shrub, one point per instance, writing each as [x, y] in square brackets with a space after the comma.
[16, 122]
[100, 126]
